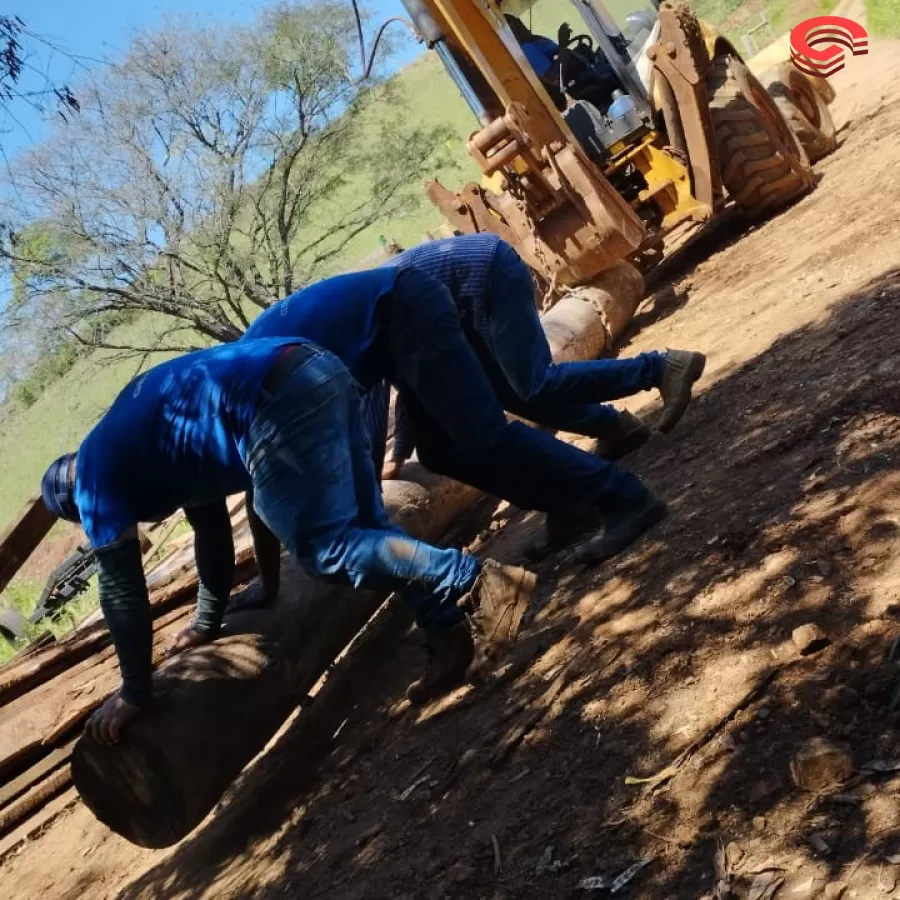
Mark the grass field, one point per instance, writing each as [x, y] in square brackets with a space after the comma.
[884, 17]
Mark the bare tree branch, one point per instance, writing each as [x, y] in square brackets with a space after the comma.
[209, 173]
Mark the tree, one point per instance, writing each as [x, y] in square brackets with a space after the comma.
[210, 173]
[17, 45]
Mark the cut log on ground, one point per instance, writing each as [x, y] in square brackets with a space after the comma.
[36, 719]
[220, 704]
[154, 790]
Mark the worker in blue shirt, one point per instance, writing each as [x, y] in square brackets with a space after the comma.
[539, 51]
[542, 54]
[401, 325]
[555, 64]
[494, 292]
[280, 418]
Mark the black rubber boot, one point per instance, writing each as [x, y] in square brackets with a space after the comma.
[450, 653]
[621, 531]
[680, 370]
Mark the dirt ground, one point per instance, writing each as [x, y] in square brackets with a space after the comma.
[675, 660]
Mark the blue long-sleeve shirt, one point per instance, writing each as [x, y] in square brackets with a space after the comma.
[462, 264]
[175, 437]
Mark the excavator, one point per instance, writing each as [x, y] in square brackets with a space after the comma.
[607, 144]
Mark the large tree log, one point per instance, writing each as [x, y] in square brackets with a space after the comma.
[32, 724]
[220, 704]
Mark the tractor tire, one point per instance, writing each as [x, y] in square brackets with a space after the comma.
[803, 107]
[763, 165]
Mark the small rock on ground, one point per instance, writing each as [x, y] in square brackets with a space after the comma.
[809, 639]
[819, 764]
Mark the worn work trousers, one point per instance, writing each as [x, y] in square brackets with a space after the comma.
[459, 423]
[315, 488]
[513, 350]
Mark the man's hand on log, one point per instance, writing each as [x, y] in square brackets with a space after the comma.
[106, 723]
[185, 639]
[391, 470]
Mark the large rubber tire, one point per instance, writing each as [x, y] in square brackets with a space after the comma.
[803, 107]
[763, 165]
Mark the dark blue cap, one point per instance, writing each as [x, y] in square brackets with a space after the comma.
[58, 493]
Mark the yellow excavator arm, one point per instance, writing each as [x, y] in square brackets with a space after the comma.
[564, 217]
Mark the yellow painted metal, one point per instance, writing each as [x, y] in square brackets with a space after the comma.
[484, 36]
[668, 180]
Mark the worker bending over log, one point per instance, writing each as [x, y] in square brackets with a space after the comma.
[494, 293]
[281, 417]
[402, 325]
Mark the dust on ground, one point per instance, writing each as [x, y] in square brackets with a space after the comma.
[674, 663]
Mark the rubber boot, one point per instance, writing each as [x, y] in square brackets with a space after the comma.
[622, 529]
[623, 438]
[498, 600]
[560, 529]
[680, 370]
[450, 653]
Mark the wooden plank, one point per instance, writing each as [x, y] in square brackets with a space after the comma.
[35, 797]
[32, 776]
[31, 827]
[22, 537]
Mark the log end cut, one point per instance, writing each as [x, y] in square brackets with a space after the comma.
[162, 779]
[131, 793]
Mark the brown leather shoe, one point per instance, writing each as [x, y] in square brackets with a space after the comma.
[499, 598]
[623, 438]
[681, 369]
[450, 653]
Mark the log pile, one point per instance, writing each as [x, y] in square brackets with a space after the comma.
[155, 791]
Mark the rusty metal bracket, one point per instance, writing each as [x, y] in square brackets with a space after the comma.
[469, 210]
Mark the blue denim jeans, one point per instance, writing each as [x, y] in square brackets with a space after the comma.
[460, 427]
[513, 349]
[316, 490]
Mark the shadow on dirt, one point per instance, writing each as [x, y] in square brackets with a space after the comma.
[673, 663]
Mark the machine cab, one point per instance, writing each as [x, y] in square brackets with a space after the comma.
[593, 66]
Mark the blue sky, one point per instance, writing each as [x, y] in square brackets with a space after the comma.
[100, 29]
